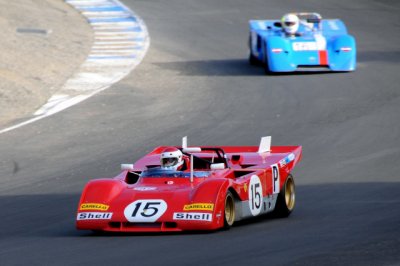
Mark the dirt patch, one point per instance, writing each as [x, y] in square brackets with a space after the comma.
[43, 43]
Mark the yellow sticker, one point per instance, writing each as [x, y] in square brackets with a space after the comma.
[199, 206]
[245, 187]
[94, 206]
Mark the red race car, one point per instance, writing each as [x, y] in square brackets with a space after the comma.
[192, 188]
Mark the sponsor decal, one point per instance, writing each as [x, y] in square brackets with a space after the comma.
[94, 216]
[276, 50]
[304, 46]
[199, 207]
[345, 49]
[144, 188]
[245, 187]
[94, 206]
[193, 216]
[287, 159]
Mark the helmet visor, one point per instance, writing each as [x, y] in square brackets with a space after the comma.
[290, 23]
[166, 162]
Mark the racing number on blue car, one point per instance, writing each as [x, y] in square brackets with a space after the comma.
[255, 195]
[145, 210]
[275, 178]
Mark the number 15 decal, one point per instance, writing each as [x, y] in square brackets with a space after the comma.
[145, 210]
[255, 195]
[275, 178]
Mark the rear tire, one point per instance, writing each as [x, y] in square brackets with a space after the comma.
[229, 211]
[286, 198]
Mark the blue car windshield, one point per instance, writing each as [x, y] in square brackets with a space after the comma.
[159, 172]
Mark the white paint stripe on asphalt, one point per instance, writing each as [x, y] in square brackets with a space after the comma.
[122, 23]
[113, 42]
[104, 65]
[116, 37]
[111, 47]
[115, 33]
[109, 14]
[113, 27]
[93, 3]
[124, 63]
[112, 52]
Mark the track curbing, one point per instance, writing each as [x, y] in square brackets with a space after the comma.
[120, 43]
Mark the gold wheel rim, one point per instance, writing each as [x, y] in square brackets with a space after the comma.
[229, 210]
[290, 194]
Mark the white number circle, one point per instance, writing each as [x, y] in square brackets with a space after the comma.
[255, 195]
[146, 211]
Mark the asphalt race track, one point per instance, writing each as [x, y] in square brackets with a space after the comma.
[195, 81]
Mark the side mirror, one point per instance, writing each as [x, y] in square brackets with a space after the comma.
[127, 166]
[217, 166]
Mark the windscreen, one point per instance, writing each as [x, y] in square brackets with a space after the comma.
[162, 173]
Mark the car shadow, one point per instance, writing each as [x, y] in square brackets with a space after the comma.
[51, 215]
[230, 67]
[226, 67]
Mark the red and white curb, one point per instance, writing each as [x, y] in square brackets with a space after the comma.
[120, 43]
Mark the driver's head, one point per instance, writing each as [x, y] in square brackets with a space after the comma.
[290, 23]
[171, 159]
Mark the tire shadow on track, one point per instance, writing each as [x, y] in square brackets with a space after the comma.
[230, 67]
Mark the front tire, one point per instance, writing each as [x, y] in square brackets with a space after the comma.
[229, 212]
[253, 60]
[286, 198]
[266, 65]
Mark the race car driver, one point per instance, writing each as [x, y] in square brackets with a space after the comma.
[290, 24]
[172, 159]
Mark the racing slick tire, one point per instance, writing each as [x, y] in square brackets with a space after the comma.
[265, 65]
[229, 210]
[286, 198]
[253, 60]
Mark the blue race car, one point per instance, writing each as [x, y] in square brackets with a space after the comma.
[301, 41]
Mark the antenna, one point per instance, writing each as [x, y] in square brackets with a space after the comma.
[184, 142]
[189, 150]
[191, 168]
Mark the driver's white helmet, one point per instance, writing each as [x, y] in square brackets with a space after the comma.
[290, 23]
[171, 159]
